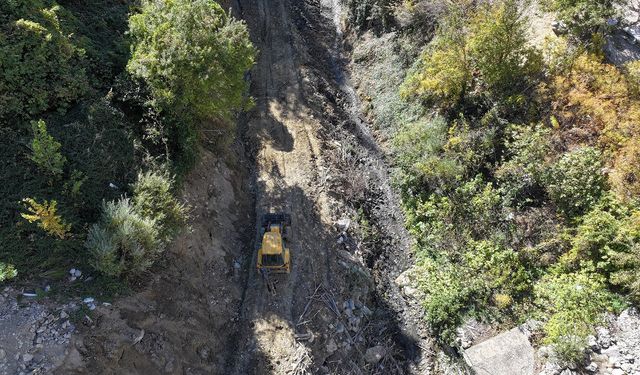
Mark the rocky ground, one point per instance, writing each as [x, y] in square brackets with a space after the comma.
[614, 350]
[34, 336]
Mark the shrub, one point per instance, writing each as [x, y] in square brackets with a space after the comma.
[46, 217]
[575, 182]
[574, 304]
[626, 258]
[583, 17]
[593, 97]
[632, 73]
[42, 68]
[45, 150]
[419, 147]
[153, 198]
[448, 293]
[7, 272]
[193, 57]
[443, 73]
[493, 43]
[594, 239]
[521, 175]
[625, 176]
[499, 49]
[123, 242]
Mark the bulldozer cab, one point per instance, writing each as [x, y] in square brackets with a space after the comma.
[273, 255]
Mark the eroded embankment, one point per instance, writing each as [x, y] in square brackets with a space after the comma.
[309, 154]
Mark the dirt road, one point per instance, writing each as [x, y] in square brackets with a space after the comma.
[301, 150]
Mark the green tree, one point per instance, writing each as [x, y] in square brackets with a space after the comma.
[45, 150]
[443, 72]
[193, 56]
[499, 49]
[40, 66]
[492, 43]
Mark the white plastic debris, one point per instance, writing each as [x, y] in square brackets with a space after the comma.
[112, 185]
[88, 300]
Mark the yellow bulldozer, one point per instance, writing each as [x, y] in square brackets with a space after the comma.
[274, 255]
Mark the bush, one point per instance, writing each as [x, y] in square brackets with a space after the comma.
[448, 294]
[123, 242]
[632, 73]
[443, 72]
[499, 49]
[625, 176]
[487, 274]
[594, 239]
[521, 174]
[625, 259]
[583, 17]
[45, 150]
[574, 304]
[42, 68]
[7, 272]
[492, 43]
[576, 182]
[593, 97]
[46, 216]
[193, 57]
[153, 198]
[419, 149]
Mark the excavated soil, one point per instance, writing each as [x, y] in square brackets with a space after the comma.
[301, 150]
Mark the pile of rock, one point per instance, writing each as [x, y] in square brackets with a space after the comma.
[33, 337]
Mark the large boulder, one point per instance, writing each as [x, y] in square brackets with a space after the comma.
[508, 353]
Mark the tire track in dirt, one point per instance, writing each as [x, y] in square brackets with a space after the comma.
[281, 128]
[284, 132]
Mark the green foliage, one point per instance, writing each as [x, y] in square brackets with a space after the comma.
[193, 57]
[583, 17]
[123, 242]
[449, 295]
[45, 150]
[434, 156]
[575, 182]
[7, 272]
[41, 65]
[522, 173]
[45, 214]
[493, 43]
[443, 72]
[419, 148]
[625, 258]
[486, 274]
[574, 303]
[153, 198]
[498, 46]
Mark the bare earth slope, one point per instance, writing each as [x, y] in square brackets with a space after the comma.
[305, 152]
